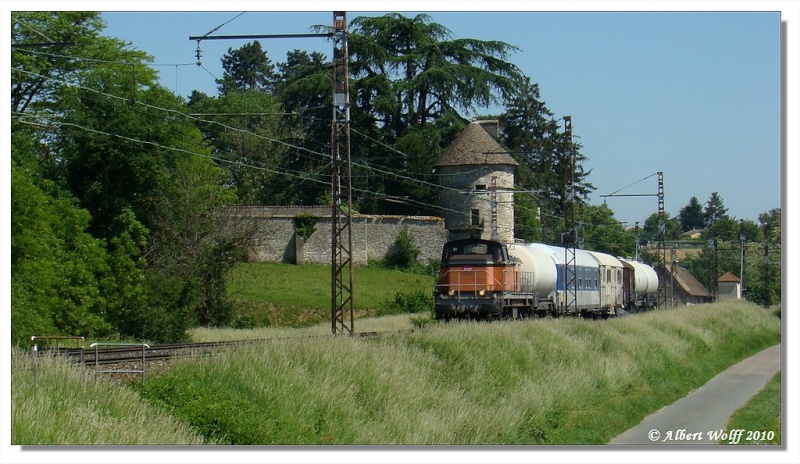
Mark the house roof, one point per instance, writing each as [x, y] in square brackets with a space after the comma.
[475, 146]
[729, 277]
[692, 232]
[689, 284]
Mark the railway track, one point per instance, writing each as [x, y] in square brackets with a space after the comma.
[104, 354]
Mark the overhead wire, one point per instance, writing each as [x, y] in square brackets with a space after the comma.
[301, 151]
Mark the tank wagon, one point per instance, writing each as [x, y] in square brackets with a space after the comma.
[485, 279]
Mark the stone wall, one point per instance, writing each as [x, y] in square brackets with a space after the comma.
[373, 235]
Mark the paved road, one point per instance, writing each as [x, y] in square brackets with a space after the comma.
[707, 409]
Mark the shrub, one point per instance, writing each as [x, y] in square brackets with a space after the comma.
[305, 225]
[404, 253]
[414, 301]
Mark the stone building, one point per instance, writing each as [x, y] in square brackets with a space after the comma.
[477, 178]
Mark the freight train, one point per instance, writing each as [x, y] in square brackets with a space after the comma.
[486, 279]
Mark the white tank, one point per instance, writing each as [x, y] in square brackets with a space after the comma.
[645, 278]
[537, 264]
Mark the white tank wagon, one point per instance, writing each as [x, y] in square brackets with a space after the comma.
[586, 284]
[640, 285]
[537, 268]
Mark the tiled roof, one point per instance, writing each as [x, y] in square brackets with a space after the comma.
[689, 284]
[729, 277]
[475, 146]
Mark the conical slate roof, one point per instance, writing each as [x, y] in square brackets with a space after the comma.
[475, 146]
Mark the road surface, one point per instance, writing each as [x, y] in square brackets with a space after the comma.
[700, 418]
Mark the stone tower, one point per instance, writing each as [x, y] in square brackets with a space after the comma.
[477, 178]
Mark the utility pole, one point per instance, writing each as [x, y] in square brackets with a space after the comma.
[341, 212]
[661, 254]
[741, 258]
[494, 207]
[712, 263]
[767, 301]
[672, 270]
[569, 239]
[342, 204]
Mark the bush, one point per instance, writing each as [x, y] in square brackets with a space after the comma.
[414, 301]
[305, 225]
[404, 253]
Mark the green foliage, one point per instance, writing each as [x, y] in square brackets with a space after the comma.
[404, 252]
[305, 225]
[672, 228]
[57, 269]
[413, 301]
[691, 215]
[537, 142]
[527, 225]
[246, 69]
[433, 72]
[602, 232]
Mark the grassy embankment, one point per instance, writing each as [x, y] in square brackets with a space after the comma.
[540, 382]
[58, 403]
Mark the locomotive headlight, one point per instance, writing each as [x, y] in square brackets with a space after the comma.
[482, 292]
[451, 292]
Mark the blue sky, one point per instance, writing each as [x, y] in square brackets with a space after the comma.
[693, 94]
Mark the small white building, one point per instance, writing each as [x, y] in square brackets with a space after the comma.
[729, 287]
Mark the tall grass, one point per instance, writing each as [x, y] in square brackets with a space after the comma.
[59, 403]
[564, 381]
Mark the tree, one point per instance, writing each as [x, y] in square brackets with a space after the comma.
[715, 210]
[602, 232]
[58, 270]
[672, 228]
[247, 69]
[691, 215]
[38, 73]
[103, 172]
[243, 129]
[534, 138]
[409, 71]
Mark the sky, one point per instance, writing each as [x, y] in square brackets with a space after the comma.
[695, 95]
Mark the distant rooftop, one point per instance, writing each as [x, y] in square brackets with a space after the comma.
[729, 277]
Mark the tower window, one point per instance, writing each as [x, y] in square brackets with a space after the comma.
[476, 217]
[480, 187]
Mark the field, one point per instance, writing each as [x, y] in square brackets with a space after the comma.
[281, 295]
[565, 381]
